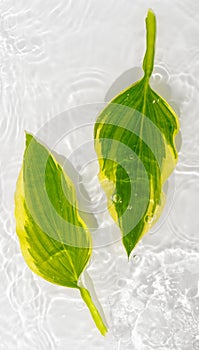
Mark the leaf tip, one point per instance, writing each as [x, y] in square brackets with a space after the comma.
[29, 138]
[128, 254]
[128, 250]
[129, 244]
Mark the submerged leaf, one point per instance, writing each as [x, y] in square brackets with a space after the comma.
[134, 141]
[54, 240]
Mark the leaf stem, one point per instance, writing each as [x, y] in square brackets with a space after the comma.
[93, 310]
[148, 61]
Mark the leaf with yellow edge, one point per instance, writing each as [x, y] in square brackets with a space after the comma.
[134, 140]
[54, 240]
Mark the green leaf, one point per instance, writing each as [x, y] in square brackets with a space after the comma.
[134, 140]
[54, 240]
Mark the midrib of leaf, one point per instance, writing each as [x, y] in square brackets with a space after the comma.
[60, 240]
[51, 255]
[122, 130]
[148, 64]
[69, 259]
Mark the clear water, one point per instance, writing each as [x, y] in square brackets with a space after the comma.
[59, 55]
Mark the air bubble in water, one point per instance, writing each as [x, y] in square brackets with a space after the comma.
[116, 198]
[149, 219]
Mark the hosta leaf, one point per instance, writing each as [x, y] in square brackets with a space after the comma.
[54, 240]
[134, 141]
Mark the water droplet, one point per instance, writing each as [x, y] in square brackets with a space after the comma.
[129, 207]
[156, 101]
[136, 259]
[116, 198]
[135, 194]
[157, 77]
[131, 156]
[149, 219]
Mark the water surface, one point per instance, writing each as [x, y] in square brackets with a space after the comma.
[55, 56]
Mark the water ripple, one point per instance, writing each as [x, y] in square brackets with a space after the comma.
[184, 224]
[155, 302]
